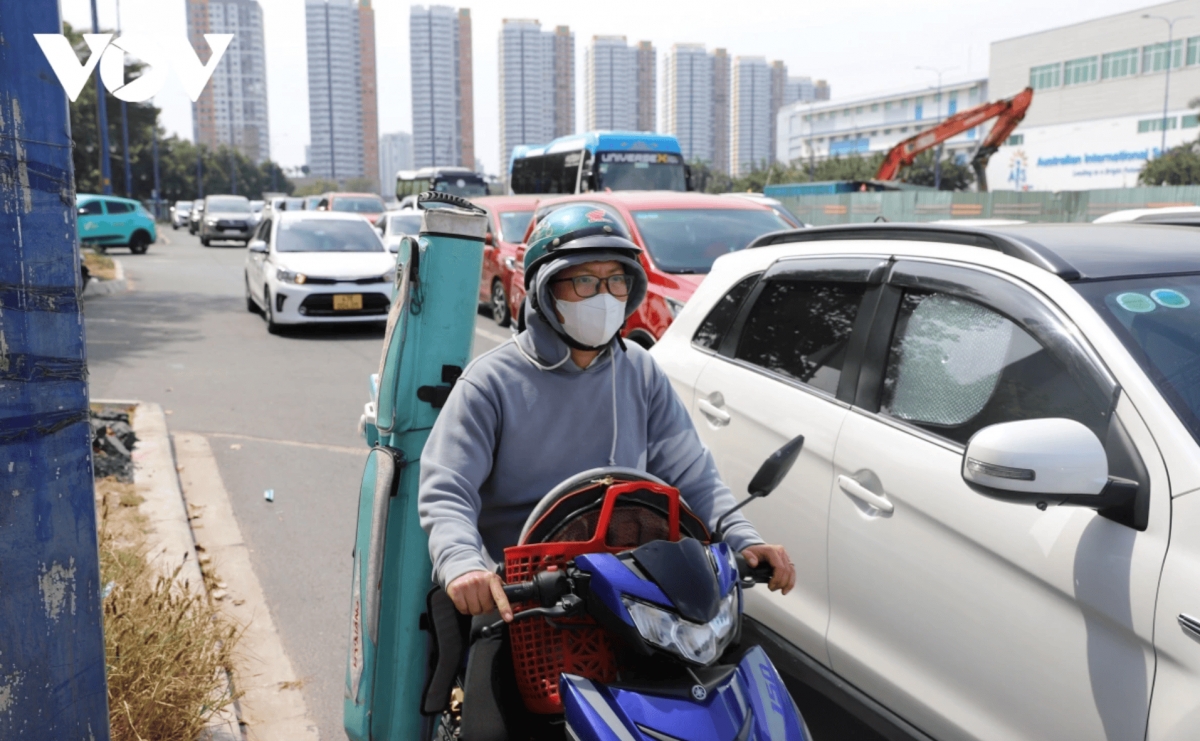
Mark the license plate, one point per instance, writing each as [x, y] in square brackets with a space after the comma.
[347, 302]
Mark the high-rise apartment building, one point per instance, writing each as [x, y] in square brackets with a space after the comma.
[443, 89]
[821, 90]
[721, 110]
[395, 154]
[803, 90]
[647, 92]
[750, 134]
[564, 81]
[688, 100]
[779, 78]
[232, 110]
[342, 102]
[609, 78]
[534, 93]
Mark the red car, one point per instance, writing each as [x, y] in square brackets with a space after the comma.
[508, 220]
[680, 234]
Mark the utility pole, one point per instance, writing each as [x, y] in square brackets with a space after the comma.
[199, 173]
[1162, 149]
[232, 172]
[157, 184]
[52, 664]
[101, 118]
[937, 156]
[812, 121]
[125, 127]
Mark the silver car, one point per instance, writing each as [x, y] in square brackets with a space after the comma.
[180, 212]
[227, 218]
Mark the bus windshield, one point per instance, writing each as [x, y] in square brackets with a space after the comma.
[467, 187]
[639, 171]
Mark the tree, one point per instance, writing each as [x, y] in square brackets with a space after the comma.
[361, 185]
[1179, 166]
[705, 179]
[316, 188]
[954, 175]
[177, 157]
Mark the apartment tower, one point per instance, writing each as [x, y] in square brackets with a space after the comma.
[395, 154]
[443, 89]
[779, 80]
[688, 100]
[750, 134]
[721, 110]
[610, 75]
[342, 104]
[536, 84]
[232, 110]
[564, 81]
[647, 92]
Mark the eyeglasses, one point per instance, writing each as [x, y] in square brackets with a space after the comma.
[586, 286]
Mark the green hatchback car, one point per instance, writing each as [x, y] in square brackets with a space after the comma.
[109, 221]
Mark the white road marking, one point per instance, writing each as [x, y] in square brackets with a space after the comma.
[293, 443]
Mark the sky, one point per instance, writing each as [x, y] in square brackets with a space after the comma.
[860, 46]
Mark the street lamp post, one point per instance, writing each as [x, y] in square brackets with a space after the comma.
[812, 121]
[937, 158]
[125, 129]
[1162, 149]
[102, 120]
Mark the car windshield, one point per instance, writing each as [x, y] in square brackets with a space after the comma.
[513, 225]
[230, 205]
[405, 223]
[1158, 321]
[640, 171]
[689, 240]
[467, 188]
[183, 204]
[327, 235]
[358, 205]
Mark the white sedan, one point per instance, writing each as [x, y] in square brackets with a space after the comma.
[394, 226]
[318, 267]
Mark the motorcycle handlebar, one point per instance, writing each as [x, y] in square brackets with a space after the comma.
[546, 588]
[760, 574]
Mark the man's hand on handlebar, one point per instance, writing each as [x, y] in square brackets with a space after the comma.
[784, 577]
[479, 592]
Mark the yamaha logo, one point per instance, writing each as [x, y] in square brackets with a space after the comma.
[699, 692]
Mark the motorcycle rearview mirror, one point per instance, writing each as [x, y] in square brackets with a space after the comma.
[770, 474]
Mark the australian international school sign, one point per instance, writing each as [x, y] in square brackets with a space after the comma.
[159, 55]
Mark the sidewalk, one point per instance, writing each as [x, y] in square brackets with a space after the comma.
[192, 522]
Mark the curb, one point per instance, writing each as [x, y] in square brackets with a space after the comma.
[97, 287]
[169, 540]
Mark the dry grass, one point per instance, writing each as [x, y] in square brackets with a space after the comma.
[99, 266]
[167, 649]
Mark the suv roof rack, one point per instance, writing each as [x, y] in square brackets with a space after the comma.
[1022, 248]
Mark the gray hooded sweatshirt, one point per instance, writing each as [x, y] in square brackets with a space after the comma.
[523, 417]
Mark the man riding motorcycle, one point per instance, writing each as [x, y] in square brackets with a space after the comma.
[564, 396]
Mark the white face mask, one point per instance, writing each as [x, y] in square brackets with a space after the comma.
[592, 321]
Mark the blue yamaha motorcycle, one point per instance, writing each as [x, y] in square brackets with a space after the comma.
[617, 643]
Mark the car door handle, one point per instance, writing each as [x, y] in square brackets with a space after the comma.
[863, 494]
[715, 414]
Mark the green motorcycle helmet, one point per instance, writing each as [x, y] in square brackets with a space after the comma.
[578, 227]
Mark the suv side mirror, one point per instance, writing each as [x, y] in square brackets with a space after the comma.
[1043, 461]
[488, 239]
[773, 470]
[257, 245]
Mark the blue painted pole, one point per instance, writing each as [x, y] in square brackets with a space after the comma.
[101, 118]
[125, 129]
[52, 682]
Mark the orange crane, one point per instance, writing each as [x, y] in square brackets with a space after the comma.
[1008, 114]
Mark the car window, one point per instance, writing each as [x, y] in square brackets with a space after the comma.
[264, 231]
[119, 207]
[405, 224]
[689, 240]
[91, 208]
[801, 329]
[720, 318]
[328, 235]
[955, 366]
[512, 225]
[357, 204]
[229, 204]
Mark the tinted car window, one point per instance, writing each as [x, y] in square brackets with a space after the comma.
[358, 205]
[119, 207]
[721, 316]
[689, 240]
[229, 204]
[406, 224]
[801, 329]
[956, 366]
[91, 208]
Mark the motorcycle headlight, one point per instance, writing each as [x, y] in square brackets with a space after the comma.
[700, 643]
[287, 276]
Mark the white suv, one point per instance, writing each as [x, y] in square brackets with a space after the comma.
[994, 519]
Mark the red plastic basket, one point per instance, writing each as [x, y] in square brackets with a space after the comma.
[540, 651]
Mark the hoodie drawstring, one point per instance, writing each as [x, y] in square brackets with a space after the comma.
[612, 455]
[538, 365]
